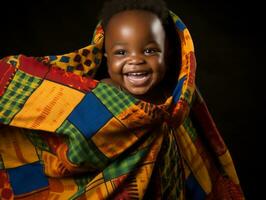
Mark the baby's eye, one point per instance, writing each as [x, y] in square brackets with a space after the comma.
[120, 52]
[151, 51]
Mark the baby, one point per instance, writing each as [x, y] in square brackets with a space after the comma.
[141, 132]
[138, 50]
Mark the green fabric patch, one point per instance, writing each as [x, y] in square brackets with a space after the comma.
[115, 100]
[17, 93]
[81, 151]
[124, 166]
[190, 129]
[37, 140]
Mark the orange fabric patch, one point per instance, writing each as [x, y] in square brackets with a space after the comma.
[15, 148]
[117, 135]
[48, 115]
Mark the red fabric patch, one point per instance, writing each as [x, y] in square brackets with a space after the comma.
[224, 188]
[5, 189]
[84, 84]
[7, 71]
[32, 66]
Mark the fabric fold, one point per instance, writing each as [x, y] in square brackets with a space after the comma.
[65, 135]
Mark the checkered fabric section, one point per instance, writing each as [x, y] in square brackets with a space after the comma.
[81, 151]
[37, 140]
[115, 100]
[16, 95]
[124, 166]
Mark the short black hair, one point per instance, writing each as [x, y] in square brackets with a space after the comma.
[159, 8]
[112, 7]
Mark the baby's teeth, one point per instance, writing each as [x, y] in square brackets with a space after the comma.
[136, 74]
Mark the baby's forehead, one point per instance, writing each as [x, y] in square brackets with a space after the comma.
[134, 19]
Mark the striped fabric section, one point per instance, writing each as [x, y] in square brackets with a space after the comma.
[170, 165]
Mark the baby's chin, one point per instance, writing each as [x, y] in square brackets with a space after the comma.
[136, 92]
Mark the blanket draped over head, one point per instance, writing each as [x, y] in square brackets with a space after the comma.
[64, 135]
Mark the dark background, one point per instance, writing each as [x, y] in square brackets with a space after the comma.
[228, 44]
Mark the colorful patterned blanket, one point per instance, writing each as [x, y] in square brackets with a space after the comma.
[64, 135]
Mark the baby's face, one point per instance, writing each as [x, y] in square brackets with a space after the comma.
[135, 48]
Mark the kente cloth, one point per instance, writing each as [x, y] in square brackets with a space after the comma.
[65, 135]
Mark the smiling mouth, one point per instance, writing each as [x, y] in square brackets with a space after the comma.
[138, 78]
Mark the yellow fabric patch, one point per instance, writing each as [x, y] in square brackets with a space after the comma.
[98, 189]
[134, 117]
[194, 159]
[49, 115]
[116, 134]
[227, 162]
[15, 148]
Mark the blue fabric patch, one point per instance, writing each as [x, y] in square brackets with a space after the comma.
[64, 59]
[194, 190]
[52, 58]
[27, 178]
[180, 25]
[90, 115]
[178, 89]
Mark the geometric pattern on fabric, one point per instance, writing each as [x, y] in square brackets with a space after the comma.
[124, 166]
[60, 100]
[37, 140]
[115, 100]
[16, 149]
[16, 95]
[84, 118]
[177, 91]
[115, 133]
[72, 80]
[170, 163]
[129, 173]
[27, 178]
[193, 158]
[9, 71]
[129, 186]
[81, 182]
[80, 150]
[81, 62]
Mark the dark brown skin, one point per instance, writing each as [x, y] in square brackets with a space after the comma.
[135, 50]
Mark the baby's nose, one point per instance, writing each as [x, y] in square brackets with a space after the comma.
[136, 60]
